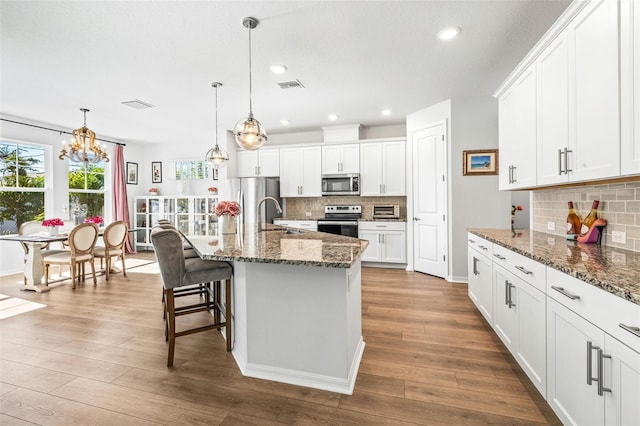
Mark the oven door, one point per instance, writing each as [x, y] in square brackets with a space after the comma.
[347, 228]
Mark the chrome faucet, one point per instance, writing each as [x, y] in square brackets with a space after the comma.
[278, 209]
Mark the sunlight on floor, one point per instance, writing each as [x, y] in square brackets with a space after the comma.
[10, 306]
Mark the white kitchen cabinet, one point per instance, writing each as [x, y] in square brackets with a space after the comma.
[262, 162]
[480, 281]
[382, 166]
[622, 405]
[341, 159]
[300, 172]
[517, 133]
[630, 87]
[387, 241]
[519, 321]
[309, 225]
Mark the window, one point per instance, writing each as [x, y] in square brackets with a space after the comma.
[22, 184]
[86, 189]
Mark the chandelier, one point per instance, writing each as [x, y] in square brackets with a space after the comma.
[249, 132]
[84, 148]
[215, 156]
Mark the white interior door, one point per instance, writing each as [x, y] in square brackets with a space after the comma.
[429, 206]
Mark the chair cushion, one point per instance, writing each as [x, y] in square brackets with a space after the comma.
[202, 271]
[101, 252]
[65, 257]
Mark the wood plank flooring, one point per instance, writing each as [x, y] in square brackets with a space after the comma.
[96, 355]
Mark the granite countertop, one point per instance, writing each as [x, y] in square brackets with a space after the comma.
[299, 218]
[614, 270]
[370, 219]
[282, 245]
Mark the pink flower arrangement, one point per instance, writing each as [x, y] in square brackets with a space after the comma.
[228, 207]
[56, 221]
[94, 219]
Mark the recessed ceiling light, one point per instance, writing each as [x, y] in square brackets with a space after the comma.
[278, 68]
[449, 33]
[333, 117]
[284, 122]
[386, 112]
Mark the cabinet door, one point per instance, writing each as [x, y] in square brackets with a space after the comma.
[572, 399]
[247, 163]
[331, 159]
[553, 112]
[350, 158]
[481, 284]
[630, 87]
[507, 140]
[594, 92]
[393, 247]
[290, 172]
[505, 319]
[393, 166]
[370, 169]
[524, 173]
[311, 172]
[269, 162]
[621, 404]
[373, 251]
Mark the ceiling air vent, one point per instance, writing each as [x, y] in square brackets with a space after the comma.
[291, 84]
[138, 104]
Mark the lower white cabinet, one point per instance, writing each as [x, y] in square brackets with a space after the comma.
[519, 311]
[310, 225]
[387, 241]
[481, 277]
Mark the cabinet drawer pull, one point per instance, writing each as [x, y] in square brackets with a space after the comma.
[483, 248]
[499, 257]
[562, 291]
[522, 269]
[470, 240]
[631, 329]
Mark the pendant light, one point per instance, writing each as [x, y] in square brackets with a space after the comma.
[215, 156]
[248, 132]
[84, 148]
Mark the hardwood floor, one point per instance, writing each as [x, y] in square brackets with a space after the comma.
[96, 355]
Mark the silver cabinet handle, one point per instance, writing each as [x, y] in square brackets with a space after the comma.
[566, 161]
[562, 291]
[470, 240]
[514, 174]
[559, 162]
[590, 377]
[601, 388]
[511, 304]
[475, 265]
[483, 248]
[522, 269]
[631, 329]
[499, 256]
[506, 292]
[510, 174]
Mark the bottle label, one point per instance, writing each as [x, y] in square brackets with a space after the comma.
[584, 229]
[569, 226]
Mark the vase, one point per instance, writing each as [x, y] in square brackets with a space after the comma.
[53, 230]
[227, 224]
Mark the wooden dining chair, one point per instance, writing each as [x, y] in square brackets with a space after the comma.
[82, 240]
[114, 237]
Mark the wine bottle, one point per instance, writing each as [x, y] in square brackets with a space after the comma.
[573, 223]
[590, 218]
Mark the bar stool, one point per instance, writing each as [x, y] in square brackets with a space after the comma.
[177, 272]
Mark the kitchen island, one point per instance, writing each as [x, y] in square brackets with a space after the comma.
[296, 304]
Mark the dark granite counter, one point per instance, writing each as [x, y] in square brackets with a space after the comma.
[278, 244]
[611, 269]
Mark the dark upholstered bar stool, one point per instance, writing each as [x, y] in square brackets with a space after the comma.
[178, 272]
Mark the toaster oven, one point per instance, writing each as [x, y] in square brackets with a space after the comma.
[386, 211]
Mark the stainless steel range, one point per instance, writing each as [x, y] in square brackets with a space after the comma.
[341, 220]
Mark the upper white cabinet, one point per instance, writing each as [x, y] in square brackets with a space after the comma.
[340, 159]
[630, 87]
[262, 162]
[382, 167]
[577, 103]
[517, 133]
[300, 172]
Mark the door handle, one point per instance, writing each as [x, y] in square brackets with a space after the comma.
[417, 218]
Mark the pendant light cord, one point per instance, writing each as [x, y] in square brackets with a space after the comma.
[217, 147]
[250, 79]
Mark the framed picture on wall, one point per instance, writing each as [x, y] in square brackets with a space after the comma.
[480, 162]
[132, 173]
[156, 171]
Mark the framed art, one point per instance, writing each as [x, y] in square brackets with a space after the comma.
[156, 171]
[480, 162]
[132, 173]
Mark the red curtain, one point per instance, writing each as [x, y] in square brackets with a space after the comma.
[120, 203]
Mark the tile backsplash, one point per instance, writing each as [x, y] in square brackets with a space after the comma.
[619, 205]
[297, 208]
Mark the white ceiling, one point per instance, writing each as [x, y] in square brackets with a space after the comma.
[354, 57]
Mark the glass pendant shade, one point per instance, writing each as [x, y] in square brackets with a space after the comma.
[216, 157]
[249, 133]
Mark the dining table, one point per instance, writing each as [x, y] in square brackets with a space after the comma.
[33, 266]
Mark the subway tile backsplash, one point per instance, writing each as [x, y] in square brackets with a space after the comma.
[297, 208]
[619, 205]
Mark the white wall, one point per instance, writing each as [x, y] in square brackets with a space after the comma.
[56, 197]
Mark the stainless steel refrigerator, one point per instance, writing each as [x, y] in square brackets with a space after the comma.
[248, 192]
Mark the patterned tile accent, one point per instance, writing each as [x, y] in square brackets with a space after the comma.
[619, 205]
[297, 208]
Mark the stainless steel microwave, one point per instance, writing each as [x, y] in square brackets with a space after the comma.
[341, 184]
